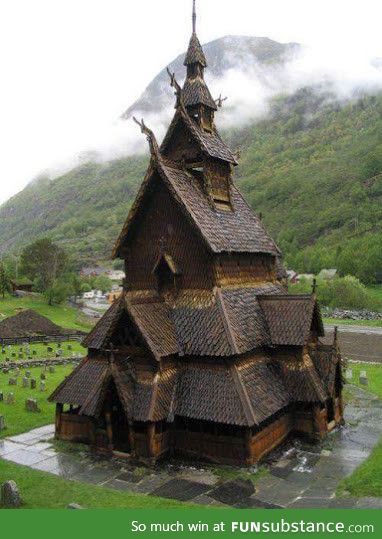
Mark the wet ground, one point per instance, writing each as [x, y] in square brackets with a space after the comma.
[300, 474]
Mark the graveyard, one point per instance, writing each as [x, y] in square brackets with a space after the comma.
[39, 351]
[16, 417]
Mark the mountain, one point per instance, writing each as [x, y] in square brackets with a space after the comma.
[224, 54]
[312, 166]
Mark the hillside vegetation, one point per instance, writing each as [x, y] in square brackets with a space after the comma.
[313, 168]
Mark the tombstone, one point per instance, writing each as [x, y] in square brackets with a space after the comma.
[33, 383]
[25, 382]
[2, 423]
[363, 378]
[21, 355]
[12, 382]
[69, 347]
[10, 495]
[34, 352]
[10, 398]
[42, 376]
[28, 374]
[74, 506]
[51, 369]
[349, 374]
[1, 396]
[42, 386]
[31, 405]
[49, 349]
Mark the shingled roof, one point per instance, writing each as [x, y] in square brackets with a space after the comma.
[239, 230]
[326, 359]
[209, 142]
[102, 331]
[233, 321]
[195, 91]
[289, 318]
[195, 54]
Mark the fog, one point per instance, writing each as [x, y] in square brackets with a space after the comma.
[71, 68]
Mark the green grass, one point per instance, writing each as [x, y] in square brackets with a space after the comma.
[365, 323]
[63, 315]
[42, 351]
[376, 292]
[18, 420]
[374, 374]
[366, 480]
[40, 490]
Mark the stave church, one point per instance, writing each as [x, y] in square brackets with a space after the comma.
[205, 355]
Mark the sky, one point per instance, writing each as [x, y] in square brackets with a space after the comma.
[69, 68]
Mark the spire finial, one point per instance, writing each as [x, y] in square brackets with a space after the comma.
[193, 16]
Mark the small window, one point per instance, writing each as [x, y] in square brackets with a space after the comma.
[168, 274]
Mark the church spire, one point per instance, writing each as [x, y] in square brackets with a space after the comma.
[195, 91]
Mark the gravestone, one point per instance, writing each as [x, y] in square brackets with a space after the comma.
[74, 506]
[28, 374]
[33, 383]
[69, 347]
[34, 352]
[31, 405]
[50, 349]
[10, 398]
[2, 423]
[1, 396]
[12, 382]
[42, 386]
[42, 376]
[51, 369]
[25, 382]
[349, 374]
[363, 378]
[10, 495]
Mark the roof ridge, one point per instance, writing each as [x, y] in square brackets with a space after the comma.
[243, 395]
[226, 321]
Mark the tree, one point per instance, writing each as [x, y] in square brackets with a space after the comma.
[5, 283]
[77, 286]
[44, 262]
[57, 292]
[103, 283]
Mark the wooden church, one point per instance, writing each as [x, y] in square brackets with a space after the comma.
[205, 354]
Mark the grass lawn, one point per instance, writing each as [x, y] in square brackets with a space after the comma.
[41, 350]
[374, 374]
[345, 322]
[40, 490]
[63, 315]
[17, 419]
[366, 480]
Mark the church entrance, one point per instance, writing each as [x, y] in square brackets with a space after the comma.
[116, 421]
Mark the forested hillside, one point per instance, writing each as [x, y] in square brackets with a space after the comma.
[313, 168]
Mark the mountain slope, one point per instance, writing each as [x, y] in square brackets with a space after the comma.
[224, 54]
[312, 167]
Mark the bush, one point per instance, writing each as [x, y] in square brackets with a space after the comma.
[342, 292]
